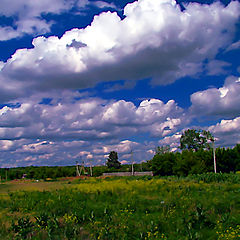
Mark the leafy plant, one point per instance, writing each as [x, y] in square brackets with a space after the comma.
[23, 228]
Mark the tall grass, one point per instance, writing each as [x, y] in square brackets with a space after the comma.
[212, 177]
[126, 208]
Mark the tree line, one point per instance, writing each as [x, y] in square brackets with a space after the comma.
[196, 156]
[51, 173]
[196, 162]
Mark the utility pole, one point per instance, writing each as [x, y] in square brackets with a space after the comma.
[214, 159]
[132, 162]
[82, 169]
[91, 173]
[77, 169]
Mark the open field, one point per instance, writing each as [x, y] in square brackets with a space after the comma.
[122, 208]
[13, 186]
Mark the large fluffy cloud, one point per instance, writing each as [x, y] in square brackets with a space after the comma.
[155, 39]
[90, 119]
[218, 102]
[66, 130]
[227, 131]
[62, 133]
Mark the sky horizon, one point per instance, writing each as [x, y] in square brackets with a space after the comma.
[81, 78]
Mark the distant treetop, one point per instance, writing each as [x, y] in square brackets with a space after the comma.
[112, 161]
[196, 139]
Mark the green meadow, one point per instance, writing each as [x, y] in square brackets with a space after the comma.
[203, 206]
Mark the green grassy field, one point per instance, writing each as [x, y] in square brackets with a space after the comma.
[199, 207]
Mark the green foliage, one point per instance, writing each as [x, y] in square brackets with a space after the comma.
[215, 178]
[189, 162]
[99, 170]
[196, 162]
[67, 171]
[227, 233]
[162, 164]
[42, 220]
[160, 208]
[23, 228]
[228, 160]
[112, 161]
[196, 140]
[37, 172]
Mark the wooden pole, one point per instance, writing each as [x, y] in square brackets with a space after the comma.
[82, 169]
[91, 173]
[132, 163]
[214, 159]
[77, 170]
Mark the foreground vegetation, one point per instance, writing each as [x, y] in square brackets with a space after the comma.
[205, 206]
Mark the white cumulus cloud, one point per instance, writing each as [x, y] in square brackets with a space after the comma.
[218, 102]
[88, 119]
[155, 39]
[227, 131]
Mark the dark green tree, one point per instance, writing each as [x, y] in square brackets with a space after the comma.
[190, 162]
[162, 164]
[228, 159]
[112, 161]
[196, 140]
[237, 152]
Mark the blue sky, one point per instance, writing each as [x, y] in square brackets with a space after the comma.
[81, 78]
